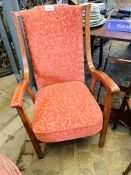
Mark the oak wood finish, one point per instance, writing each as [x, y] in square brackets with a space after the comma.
[23, 86]
[17, 100]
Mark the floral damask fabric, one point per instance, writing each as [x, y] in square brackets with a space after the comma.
[56, 43]
[65, 111]
[64, 107]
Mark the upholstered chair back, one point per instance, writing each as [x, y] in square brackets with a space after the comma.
[55, 40]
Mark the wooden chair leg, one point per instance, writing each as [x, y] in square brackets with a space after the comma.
[28, 127]
[127, 170]
[106, 116]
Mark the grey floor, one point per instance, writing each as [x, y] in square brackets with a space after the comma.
[78, 157]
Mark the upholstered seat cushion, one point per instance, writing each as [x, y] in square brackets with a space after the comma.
[65, 111]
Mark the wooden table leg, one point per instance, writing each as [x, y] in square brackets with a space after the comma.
[101, 52]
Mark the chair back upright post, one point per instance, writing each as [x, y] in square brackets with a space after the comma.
[16, 16]
[87, 39]
[88, 46]
[26, 80]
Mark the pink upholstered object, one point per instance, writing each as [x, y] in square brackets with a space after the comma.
[7, 167]
[65, 111]
[56, 43]
[64, 108]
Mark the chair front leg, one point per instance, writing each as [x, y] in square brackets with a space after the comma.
[28, 127]
[106, 117]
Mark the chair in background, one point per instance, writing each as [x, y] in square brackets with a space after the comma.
[7, 167]
[64, 107]
[126, 101]
[124, 116]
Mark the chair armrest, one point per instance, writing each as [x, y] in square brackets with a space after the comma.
[18, 94]
[111, 87]
[108, 83]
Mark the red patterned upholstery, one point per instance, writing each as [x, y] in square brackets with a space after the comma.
[64, 107]
[56, 43]
[65, 111]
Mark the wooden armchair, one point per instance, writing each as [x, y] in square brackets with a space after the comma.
[64, 107]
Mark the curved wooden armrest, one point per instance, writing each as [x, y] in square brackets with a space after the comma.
[109, 84]
[111, 87]
[18, 94]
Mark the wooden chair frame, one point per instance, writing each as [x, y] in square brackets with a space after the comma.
[127, 170]
[127, 90]
[17, 100]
